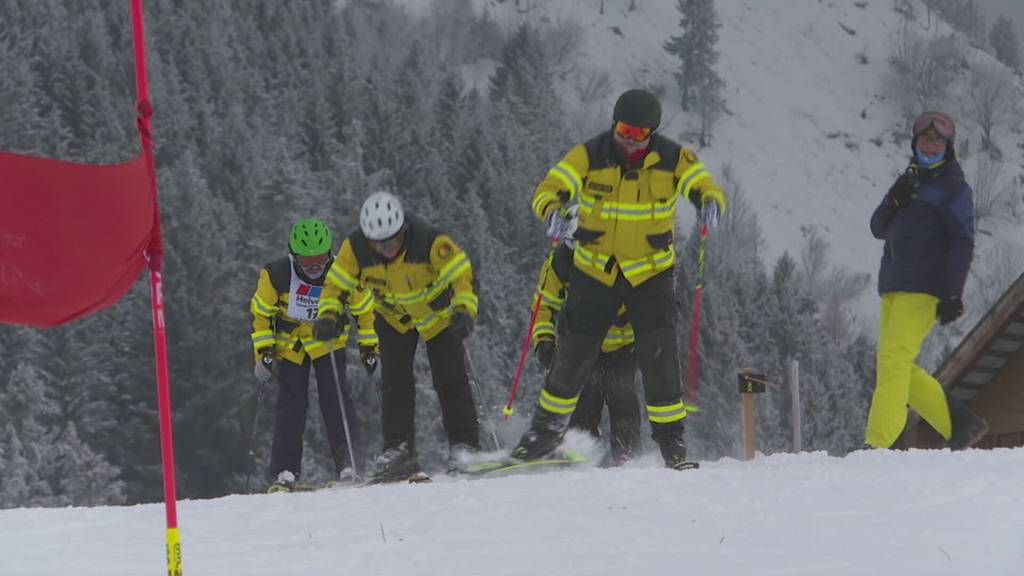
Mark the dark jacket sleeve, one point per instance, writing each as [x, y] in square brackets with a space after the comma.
[880, 219]
[958, 219]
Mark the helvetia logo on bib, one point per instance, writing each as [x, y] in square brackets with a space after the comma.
[306, 294]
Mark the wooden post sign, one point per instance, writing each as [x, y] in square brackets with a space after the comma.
[749, 385]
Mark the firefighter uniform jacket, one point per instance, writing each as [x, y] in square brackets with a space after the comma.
[552, 289]
[285, 306]
[626, 216]
[417, 290]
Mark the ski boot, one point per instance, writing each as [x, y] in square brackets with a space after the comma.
[617, 458]
[545, 434]
[285, 482]
[397, 464]
[673, 450]
[968, 427]
[459, 454]
[346, 477]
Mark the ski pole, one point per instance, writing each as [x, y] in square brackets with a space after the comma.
[344, 415]
[565, 232]
[690, 405]
[252, 433]
[508, 410]
[478, 392]
[377, 382]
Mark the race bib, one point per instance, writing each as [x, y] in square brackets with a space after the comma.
[303, 299]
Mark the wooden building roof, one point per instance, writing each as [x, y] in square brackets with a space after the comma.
[988, 348]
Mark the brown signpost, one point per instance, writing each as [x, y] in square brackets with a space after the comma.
[750, 384]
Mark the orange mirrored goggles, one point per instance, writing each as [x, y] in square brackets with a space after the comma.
[942, 123]
[630, 132]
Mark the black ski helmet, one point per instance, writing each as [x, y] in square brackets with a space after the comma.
[638, 107]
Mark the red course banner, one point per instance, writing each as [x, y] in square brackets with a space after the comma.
[72, 236]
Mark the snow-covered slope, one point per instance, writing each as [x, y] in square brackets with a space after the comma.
[804, 153]
[808, 130]
[872, 513]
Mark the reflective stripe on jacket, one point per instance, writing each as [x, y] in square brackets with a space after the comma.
[626, 216]
[418, 289]
[552, 288]
[292, 338]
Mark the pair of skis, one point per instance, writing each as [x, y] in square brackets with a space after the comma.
[470, 470]
[564, 458]
[560, 459]
[418, 478]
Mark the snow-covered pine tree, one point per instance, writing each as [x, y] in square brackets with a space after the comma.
[962, 15]
[1005, 43]
[700, 85]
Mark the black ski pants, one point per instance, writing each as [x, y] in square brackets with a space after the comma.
[451, 382]
[591, 309]
[612, 383]
[291, 408]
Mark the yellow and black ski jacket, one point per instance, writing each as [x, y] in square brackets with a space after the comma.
[626, 216]
[552, 288]
[417, 290]
[292, 338]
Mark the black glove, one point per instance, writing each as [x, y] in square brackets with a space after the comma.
[949, 309]
[264, 369]
[696, 200]
[327, 327]
[904, 190]
[461, 324]
[545, 351]
[369, 356]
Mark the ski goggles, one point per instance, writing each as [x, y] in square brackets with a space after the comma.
[388, 245]
[313, 265]
[310, 262]
[942, 123]
[630, 132]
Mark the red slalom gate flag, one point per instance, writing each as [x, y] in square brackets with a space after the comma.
[72, 236]
[73, 239]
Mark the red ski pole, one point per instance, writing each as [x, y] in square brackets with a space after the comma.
[508, 410]
[690, 404]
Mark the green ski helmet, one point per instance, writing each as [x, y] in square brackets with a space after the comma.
[309, 237]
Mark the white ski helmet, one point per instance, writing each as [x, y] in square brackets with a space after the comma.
[381, 216]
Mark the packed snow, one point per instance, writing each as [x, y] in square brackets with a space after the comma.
[809, 137]
[870, 513]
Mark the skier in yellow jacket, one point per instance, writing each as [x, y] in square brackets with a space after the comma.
[626, 182]
[423, 287]
[283, 310]
[613, 380]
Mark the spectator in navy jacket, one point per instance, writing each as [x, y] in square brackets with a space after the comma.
[927, 222]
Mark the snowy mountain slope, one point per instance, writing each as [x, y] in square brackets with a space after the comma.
[871, 513]
[809, 131]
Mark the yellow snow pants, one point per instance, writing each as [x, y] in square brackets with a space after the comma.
[906, 318]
